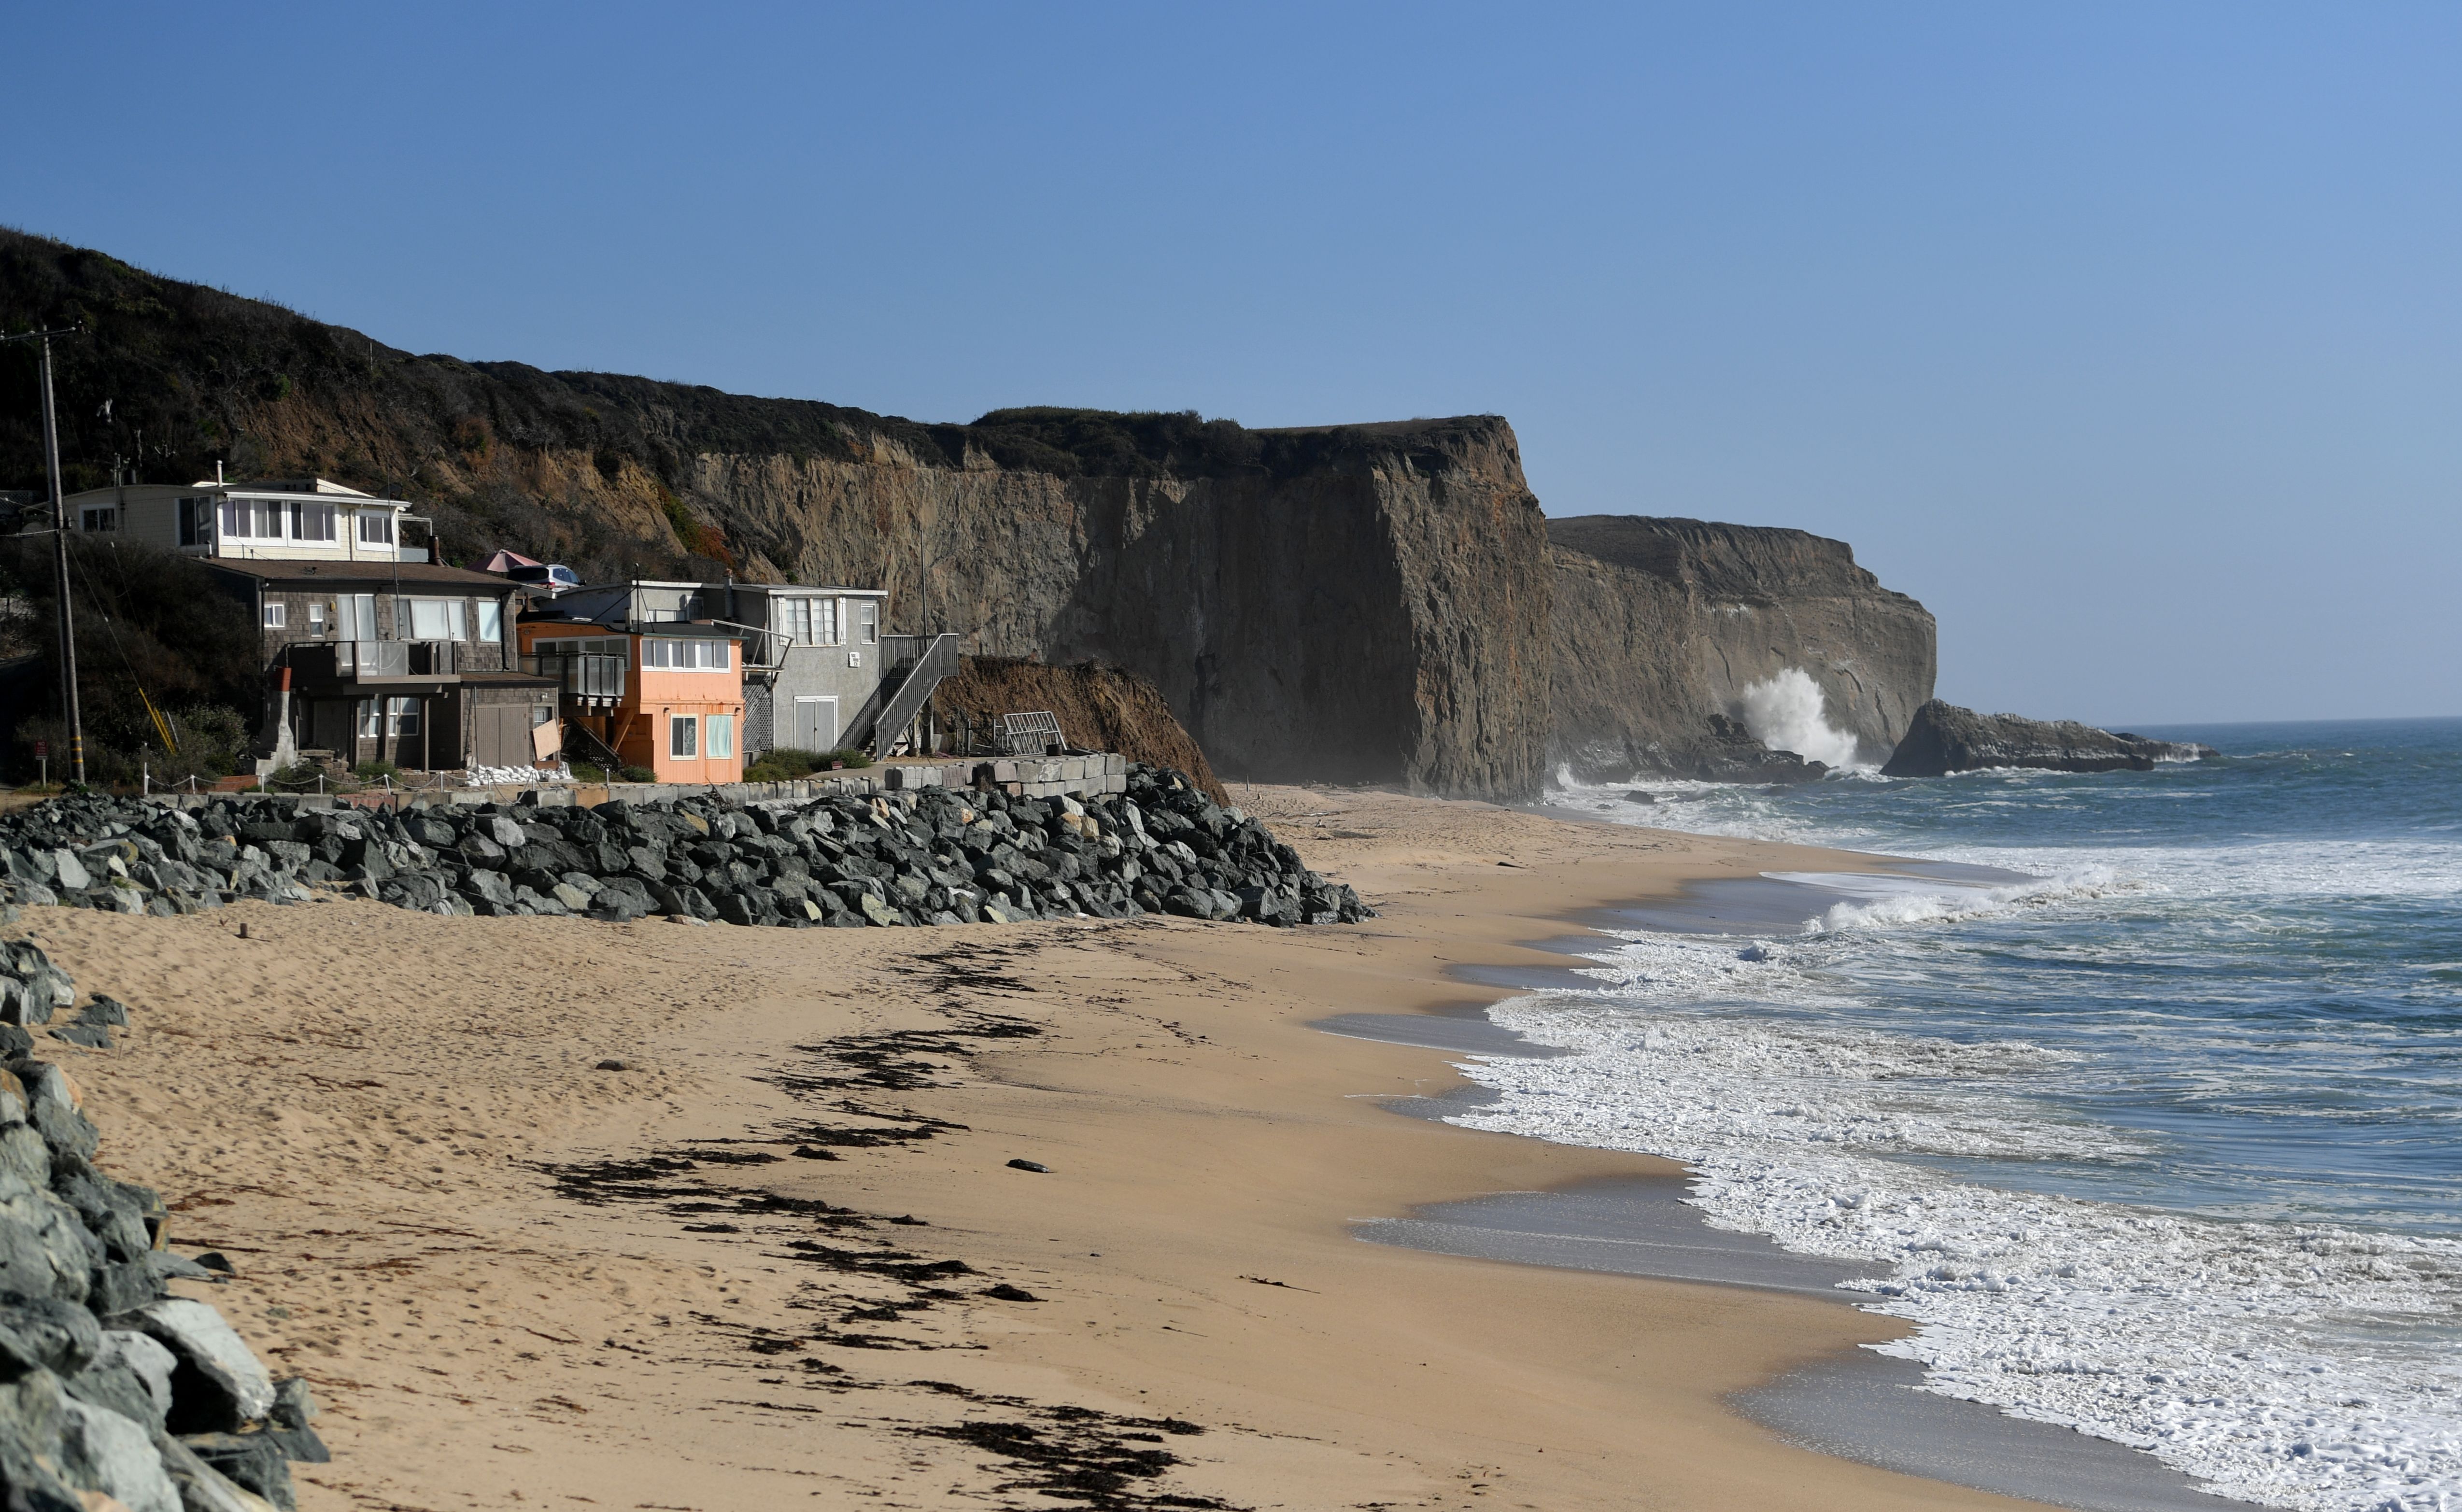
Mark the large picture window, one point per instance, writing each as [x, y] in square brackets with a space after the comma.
[438, 619]
[684, 656]
[376, 527]
[311, 521]
[722, 735]
[684, 735]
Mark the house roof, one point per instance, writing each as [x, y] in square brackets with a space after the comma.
[807, 588]
[292, 570]
[510, 680]
[697, 629]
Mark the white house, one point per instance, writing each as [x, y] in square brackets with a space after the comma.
[289, 519]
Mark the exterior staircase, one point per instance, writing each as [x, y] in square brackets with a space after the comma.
[916, 665]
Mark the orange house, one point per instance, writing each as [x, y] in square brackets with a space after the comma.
[666, 695]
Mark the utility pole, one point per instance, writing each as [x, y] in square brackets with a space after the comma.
[60, 549]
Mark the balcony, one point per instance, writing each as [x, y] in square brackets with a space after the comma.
[591, 680]
[372, 662]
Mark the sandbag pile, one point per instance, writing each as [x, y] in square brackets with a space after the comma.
[108, 1384]
[933, 856]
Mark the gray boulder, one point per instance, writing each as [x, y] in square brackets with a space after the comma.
[219, 1386]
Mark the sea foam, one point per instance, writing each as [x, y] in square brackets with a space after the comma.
[2303, 1365]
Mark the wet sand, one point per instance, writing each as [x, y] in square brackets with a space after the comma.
[778, 1259]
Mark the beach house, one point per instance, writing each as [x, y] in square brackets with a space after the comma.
[646, 679]
[407, 662]
[289, 519]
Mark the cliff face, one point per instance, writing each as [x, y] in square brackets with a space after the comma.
[1374, 610]
[1662, 624]
[1359, 603]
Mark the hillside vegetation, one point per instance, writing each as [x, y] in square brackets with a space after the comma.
[589, 469]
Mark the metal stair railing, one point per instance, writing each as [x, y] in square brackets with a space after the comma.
[912, 675]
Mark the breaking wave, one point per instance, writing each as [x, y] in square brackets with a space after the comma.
[1788, 712]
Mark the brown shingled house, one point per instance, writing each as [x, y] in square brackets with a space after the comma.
[408, 662]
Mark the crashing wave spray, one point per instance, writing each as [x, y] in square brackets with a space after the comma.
[1787, 713]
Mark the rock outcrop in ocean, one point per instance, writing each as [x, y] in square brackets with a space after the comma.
[1945, 739]
[1664, 629]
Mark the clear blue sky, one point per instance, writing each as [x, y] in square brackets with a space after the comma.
[2127, 337]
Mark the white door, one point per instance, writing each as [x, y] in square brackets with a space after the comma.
[817, 724]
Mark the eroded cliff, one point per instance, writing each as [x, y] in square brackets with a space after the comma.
[1664, 627]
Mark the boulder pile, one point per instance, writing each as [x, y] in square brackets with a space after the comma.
[933, 856]
[113, 1393]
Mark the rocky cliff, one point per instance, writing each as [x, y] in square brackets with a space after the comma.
[1666, 628]
[1354, 603]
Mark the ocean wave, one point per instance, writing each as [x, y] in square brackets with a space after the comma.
[2310, 1365]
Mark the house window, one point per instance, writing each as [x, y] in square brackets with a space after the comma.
[491, 619]
[684, 656]
[437, 619]
[370, 718]
[317, 618]
[867, 621]
[722, 735]
[311, 521]
[825, 622]
[358, 612]
[102, 519]
[276, 615]
[795, 620]
[684, 734]
[193, 515]
[376, 527]
[401, 715]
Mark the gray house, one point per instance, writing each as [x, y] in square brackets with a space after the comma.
[812, 677]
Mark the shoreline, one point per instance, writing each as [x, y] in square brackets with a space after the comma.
[1856, 1405]
[443, 1213]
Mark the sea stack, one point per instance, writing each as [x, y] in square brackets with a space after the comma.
[1946, 739]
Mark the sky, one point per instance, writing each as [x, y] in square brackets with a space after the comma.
[2127, 338]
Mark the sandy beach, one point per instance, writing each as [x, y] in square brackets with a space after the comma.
[780, 1257]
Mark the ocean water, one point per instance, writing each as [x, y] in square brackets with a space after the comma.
[2146, 1091]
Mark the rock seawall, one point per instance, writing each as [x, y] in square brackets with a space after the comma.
[110, 1387]
[1661, 625]
[934, 856]
[1946, 739]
